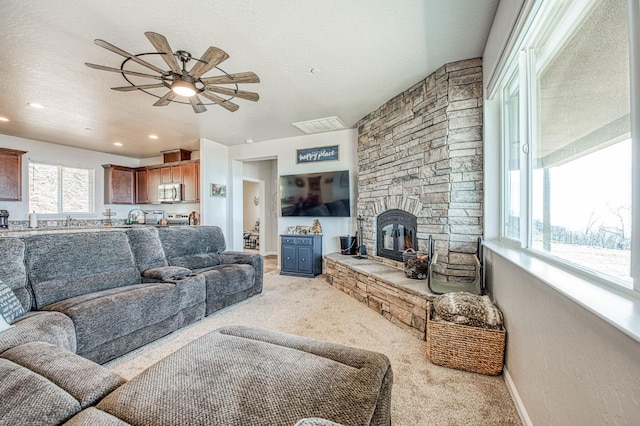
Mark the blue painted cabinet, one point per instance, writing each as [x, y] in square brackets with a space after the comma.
[301, 255]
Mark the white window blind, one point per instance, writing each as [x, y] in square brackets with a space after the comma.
[59, 189]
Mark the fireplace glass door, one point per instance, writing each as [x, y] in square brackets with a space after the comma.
[396, 233]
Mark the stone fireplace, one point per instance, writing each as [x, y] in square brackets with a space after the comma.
[421, 154]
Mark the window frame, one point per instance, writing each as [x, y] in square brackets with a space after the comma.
[523, 65]
[60, 167]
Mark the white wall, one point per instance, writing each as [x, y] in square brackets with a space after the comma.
[214, 168]
[284, 150]
[52, 153]
[569, 366]
[566, 365]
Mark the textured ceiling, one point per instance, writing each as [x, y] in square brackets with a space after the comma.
[366, 51]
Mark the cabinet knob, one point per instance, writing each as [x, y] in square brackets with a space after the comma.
[302, 260]
[288, 258]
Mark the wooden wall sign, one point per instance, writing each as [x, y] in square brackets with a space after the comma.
[313, 155]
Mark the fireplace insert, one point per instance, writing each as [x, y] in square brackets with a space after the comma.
[396, 232]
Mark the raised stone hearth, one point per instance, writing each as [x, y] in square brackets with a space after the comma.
[421, 152]
[383, 288]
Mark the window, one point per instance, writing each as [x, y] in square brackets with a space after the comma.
[512, 150]
[56, 189]
[575, 180]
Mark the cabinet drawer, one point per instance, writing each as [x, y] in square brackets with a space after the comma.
[303, 241]
[288, 241]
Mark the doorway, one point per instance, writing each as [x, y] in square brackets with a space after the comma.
[251, 215]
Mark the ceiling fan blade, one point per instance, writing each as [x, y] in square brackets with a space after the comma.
[118, 70]
[241, 77]
[166, 99]
[250, 96]
[197, 106]
[127, 55]
[218, 100]
[141, 87]
[211, 58]
[162, 46]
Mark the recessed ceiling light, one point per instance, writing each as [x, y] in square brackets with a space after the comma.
[153, 136]
[315, 70]
[35, 105]
[117, 143]
[248, 140]
[88, 129]
[4, 119]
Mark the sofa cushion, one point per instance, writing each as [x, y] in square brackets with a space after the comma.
[34, 326]
[12, 269]
[30, 399]
[196, 261]
[62, 266]
[192, 247]
[10, 306]
[85, 380]
[146, 247]
[92, 416]
[107, 315]
[223, 280]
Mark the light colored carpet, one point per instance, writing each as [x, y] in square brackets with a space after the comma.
[423, 393]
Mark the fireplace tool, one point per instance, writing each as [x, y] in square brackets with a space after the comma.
[362, 250]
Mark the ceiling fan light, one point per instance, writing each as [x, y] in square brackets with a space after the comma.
[183, 88]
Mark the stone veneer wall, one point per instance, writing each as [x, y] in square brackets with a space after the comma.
[421, 152]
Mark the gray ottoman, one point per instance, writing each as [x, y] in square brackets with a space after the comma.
[250, 376]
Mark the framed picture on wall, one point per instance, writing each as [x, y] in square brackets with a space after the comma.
[217, 190]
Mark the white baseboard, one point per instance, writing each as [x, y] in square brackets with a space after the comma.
[522, 411]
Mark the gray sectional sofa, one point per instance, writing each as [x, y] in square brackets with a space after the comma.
[103, 294]
[90, 297]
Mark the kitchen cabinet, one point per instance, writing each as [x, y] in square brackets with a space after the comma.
[125, 185]
[171, 174]
[153, 180]
[11, 174]
[142, 186]
[119, 184]
[301, 255]
[190, 188]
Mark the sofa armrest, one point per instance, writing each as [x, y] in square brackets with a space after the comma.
[85, 380]
[165, 273]
[231, 257]
[193, 290]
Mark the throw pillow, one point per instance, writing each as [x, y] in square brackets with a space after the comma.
[165, 273]
[10, 306]
[4, 325]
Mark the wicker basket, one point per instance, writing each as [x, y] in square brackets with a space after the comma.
[474, 349]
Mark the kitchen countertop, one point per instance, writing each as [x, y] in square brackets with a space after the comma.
[22, 232]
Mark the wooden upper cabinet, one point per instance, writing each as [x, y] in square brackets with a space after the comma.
[154, 180]
[119, 184]
[142, 186]
[165, 175]
[11, 174]
[125, 185]
[190, 172]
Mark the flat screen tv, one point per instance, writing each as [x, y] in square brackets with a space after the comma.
[316, 194]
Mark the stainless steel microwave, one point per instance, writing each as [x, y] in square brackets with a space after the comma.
[170, 192]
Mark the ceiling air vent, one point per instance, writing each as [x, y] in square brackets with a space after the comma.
[320, 125]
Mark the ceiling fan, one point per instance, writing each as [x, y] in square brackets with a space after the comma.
[180, 82]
